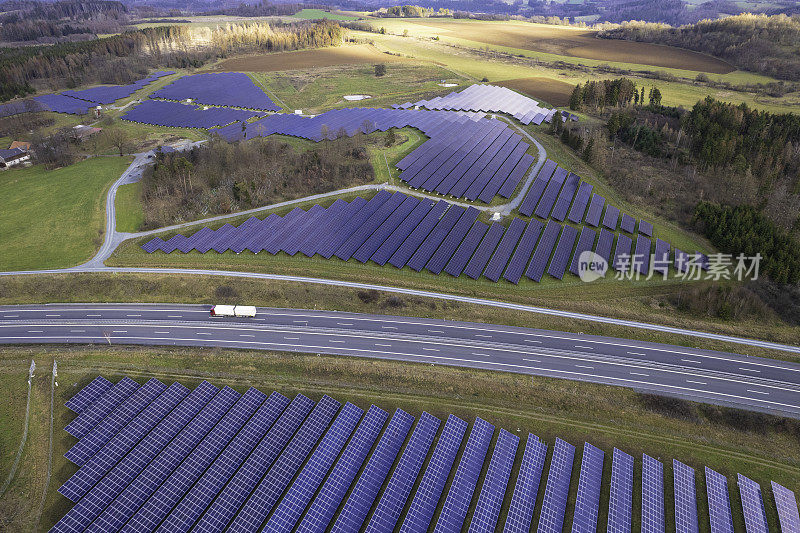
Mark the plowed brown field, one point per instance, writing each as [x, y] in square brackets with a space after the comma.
[553, 92]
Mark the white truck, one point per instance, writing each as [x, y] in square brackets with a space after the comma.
[243, 311]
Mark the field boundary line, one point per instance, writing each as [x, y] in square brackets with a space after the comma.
[17, 459]
[49, 447]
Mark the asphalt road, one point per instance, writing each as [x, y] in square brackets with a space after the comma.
[701, 375]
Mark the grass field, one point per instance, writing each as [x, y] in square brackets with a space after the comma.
[762, 448]
[54, 219]
[130, 215]
[323, 88]
[307, 59]
[316, 14]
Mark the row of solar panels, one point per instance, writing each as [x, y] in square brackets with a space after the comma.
[78, 102]
[221, 88]
[419, 233]
[488, 98]
[154, 457]
[176, 115]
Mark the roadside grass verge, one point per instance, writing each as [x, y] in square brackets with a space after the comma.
[130, 215]
[54, 218]
[605, 416]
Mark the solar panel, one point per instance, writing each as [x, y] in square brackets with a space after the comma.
[685, 498]
[450, 243]
[537, 188]
[465, 250]
[368, 226]
[585, 244]
[611, 217]
[518, 262]
[513, 179]
[181, 480]
[430, 488]
[231, 498]
[415, 218]
[620, 504]
[587, 503]
[786, 504]
[551, 193]
[114, 422]
[419, 233]
[719, 506]
[595, 210]
[565, 198]
[551, 517]
[526, 489]
[558, 264]
[104, 460]
[493, 490]
[382, 233]
[504, 250]
[578, 208]
[88, 394]
[604, 244]
[652, 495]
[405, 474]
[485, 249]
[148, 480]
[627, 223]
[459, 496]
[435, 238]
[265, 496]
[104, 492]
[333, 491]
[192, 505]
[641, 256]
[294, 502]
[218, 88]
[541, 255]
[755, 519]
[369, 483]
[623, 248]
[661, 257]
[645, 228]
[106, 403]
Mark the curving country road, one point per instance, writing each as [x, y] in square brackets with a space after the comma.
[700, 375]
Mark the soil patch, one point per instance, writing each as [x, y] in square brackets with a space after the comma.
[548, 90]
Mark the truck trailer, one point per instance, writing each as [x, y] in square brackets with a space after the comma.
[243, 311]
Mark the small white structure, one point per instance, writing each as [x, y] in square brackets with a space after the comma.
[248, 311]
[356, 97]
[496, 216]
[298, 111]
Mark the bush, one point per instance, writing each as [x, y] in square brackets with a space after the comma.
[369, 297]
[380, 70]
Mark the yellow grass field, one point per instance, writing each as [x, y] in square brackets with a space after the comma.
[304, 59]
[574, 42]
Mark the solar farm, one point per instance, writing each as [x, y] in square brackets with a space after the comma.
[167, 458]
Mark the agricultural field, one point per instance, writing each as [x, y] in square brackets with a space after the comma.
[54, 218]
[554, 92]
[317, 14]
[308, 59]
[764, 447]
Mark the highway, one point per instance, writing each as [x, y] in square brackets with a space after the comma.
[715, 377]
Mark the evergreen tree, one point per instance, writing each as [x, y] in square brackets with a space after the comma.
[576, 98]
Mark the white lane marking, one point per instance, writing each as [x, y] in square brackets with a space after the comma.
[583, 347]
[133, 315]
[431, 349]
[35, 331]
[639, 374]
[300, 321]
[481, 354]
[532, 360]
[307, 348]
[758, 392]
[750, 370]
[435, 331]
[120, 331]
[162, 332]
[388, 327]
[77, 331]
[533, 341]
[584, 366]
[203, 333]
[174, 316]
[340, 342]
[52, 315]
[483, 336]
[10, 316]
[292, 338]
[243, 335]
[638, 353]
[344, 323]
[383, 345]
[696, 382]
[693, 361]
[94, 315]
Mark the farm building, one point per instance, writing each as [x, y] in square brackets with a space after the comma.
[13, 156]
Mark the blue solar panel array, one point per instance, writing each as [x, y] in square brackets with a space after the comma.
[177, 115]
[685, 498]
[587, 503]
[620, 503]
[554, 506]
[459, 497]
[219, 88]
[88, 394]
[214, 459]
[719, 505]
[526, 489]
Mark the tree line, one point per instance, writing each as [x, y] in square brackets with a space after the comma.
[42, 22]
[412, 11]
[758, 43]
[742, 229]
[126, 57]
